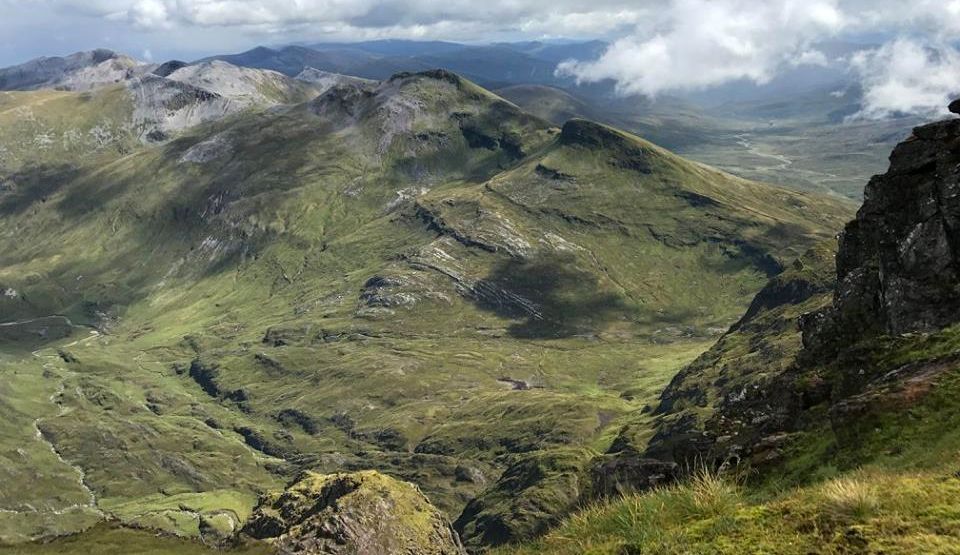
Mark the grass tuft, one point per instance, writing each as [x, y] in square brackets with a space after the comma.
[711, 495]
[850, 497]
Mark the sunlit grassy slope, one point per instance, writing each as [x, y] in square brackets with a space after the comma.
[883, 481]
[418, 278]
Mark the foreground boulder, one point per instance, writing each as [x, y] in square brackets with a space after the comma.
[363, 513]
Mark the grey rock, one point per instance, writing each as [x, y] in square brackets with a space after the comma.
[898, 266]
[78, 72]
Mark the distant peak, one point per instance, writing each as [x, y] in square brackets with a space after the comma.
[261, 50]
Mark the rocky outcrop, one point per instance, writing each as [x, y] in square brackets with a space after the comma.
[737, 392]
[627, 472]
[166, 68]
[363, 513]
[898, 266]
[177, 96]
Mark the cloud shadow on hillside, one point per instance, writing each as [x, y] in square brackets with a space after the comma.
[35, 184]
[550, 295]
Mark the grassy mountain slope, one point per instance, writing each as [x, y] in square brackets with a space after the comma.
[883, 481]
[416, 277]
[834, 397]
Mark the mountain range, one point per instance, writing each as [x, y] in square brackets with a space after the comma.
[246, 307]
[801, 129]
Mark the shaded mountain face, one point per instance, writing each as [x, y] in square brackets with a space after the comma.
[899, 259]
[413, 276]
[552, 104]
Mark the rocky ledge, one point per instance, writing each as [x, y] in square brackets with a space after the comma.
[898, 266]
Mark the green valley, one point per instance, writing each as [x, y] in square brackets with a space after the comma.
[412, 276]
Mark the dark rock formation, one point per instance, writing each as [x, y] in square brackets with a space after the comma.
[166, 68]
[364, 513]
[897, 271]
[898, 266]
[627, 472]
[627, 153]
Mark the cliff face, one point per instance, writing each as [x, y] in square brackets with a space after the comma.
[804, 363]
[898, 266]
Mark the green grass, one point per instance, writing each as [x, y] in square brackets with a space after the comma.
[350, 303]
[800, 142]
[878, 479]
[871, 511]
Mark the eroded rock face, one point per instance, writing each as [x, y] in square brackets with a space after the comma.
[363, 513]
[898, 266]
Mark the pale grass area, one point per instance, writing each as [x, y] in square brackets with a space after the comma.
[869, 510]
[850, 496]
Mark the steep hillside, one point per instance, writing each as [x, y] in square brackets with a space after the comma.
[412, 276]
[833, 398]
[896, 286]
[47, 135]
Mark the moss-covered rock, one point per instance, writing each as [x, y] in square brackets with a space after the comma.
[356, 514]
[533, 494]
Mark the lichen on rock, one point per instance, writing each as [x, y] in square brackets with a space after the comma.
[361, 513]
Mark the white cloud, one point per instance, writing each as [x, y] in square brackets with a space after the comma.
[810, 57]
[658, 45]
[906, 76]
[702, 43]
[149, 14]
[562, 17]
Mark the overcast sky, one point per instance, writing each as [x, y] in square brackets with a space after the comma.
[657, 46]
